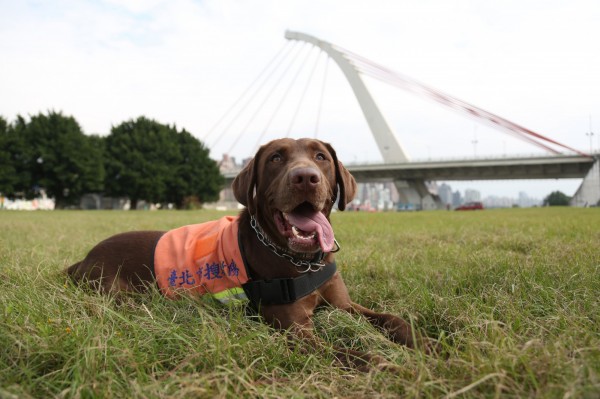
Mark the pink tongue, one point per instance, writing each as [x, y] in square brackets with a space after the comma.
[310, 221]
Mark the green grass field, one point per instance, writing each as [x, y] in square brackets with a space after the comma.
[512, 295]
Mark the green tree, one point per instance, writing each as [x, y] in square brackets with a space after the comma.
[146, 160]
[140, 156]
[557, 198]
[15, 173]
[196, 176]
[7, 170]
[51, 152]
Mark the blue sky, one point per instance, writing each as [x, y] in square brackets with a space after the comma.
[185, 62]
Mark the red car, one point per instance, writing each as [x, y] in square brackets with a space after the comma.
[470, 206]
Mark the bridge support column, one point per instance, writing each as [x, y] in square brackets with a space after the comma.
[415, 193]
[588, 194]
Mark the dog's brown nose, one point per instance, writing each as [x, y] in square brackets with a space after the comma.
[305, 178]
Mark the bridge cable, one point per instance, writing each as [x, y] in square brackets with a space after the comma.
[321, 97]
[478, 114]
[255, 93]
[441, 98]
[280, 103]
[379, 72]
[415, 87]
[256, 112]
[239, 99]
[308, 81]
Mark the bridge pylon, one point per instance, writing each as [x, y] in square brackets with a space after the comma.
[413, 192]
[588, 193]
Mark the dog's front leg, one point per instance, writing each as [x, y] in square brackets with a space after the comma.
[296, 320]
[398, 330]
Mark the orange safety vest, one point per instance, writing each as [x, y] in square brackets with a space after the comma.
[202, 259]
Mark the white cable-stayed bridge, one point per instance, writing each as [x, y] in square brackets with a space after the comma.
[263, 100]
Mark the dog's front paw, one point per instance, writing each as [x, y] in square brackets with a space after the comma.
[429, 345]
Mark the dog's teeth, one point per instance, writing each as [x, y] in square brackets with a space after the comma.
[298, 233]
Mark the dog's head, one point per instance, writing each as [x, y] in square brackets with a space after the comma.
[290, 186]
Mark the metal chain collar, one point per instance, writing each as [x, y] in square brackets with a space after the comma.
[303, 266]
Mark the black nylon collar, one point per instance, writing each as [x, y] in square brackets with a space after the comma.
[279, 291]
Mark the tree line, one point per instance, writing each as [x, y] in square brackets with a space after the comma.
[140, 159]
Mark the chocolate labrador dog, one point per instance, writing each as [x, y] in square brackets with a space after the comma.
[279, 252]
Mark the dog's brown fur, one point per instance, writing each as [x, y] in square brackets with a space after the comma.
[283, 174]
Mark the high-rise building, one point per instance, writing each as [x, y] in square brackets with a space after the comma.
[445, 193]
[456, 199]
[472, 195]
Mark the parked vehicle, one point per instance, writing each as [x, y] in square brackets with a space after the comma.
[470, 206]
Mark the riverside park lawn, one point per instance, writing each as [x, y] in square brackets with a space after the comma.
[512, 295]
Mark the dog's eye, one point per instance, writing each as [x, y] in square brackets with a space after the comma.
[320, 157]
[276, 158]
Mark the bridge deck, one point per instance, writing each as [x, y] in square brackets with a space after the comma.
[549, 167]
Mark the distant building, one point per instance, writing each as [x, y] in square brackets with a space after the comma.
[498, 202]
[376, 196]
[445, 193]
[226, 197]
[456, 199]
[472, 195]
[525, 201]
[227, 164]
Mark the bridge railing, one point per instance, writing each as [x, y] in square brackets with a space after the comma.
[473, 158]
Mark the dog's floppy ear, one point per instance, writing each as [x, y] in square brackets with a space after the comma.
[344, 180]
[244, 184]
